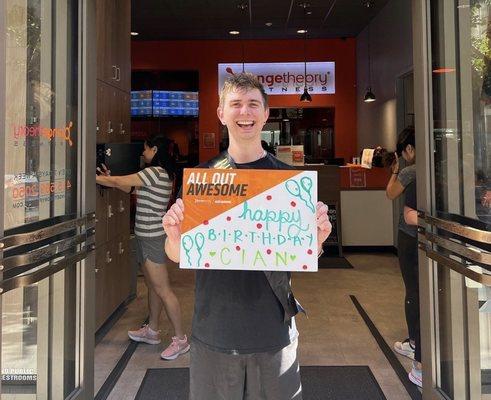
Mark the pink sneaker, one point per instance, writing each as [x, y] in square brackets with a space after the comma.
[176, 348]
[145, 334]
[416, 376]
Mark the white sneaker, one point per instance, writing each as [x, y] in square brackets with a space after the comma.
[405, 349]
[416, 376]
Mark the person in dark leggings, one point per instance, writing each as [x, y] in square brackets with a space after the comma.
[407, 241]
[409, 268]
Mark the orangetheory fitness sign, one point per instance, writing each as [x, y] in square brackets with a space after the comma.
[286, 78]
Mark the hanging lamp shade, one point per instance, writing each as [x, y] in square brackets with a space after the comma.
[305, 97]
[369, 96]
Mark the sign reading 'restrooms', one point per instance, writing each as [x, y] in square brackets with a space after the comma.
[286, 78]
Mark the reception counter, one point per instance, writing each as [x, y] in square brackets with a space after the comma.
[367, 213]
[361, 213]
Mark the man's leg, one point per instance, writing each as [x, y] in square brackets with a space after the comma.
[214, 375]
[274, 376]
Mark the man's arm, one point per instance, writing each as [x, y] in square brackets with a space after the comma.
[171, 222]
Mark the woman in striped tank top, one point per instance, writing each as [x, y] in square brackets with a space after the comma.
[153, 190]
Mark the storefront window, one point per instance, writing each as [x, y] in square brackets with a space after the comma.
[461, 70]
[461, 82]
[41, 126]
[38, 330]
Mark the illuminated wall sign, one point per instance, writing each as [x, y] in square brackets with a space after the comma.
[286, 78]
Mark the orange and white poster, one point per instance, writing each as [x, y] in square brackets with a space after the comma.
[257, 220]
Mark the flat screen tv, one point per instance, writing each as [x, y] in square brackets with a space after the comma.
[141, 103]
[172, 103]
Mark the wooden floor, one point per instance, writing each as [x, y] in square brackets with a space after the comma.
[333, 334]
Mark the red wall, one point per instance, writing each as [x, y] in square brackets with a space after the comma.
[205, 56]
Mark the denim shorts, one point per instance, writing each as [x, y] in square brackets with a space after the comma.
[150, 248]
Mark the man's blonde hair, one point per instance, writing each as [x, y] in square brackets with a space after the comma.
[243, 81]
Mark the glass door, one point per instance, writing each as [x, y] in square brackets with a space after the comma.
[46, 234]
[453, 81]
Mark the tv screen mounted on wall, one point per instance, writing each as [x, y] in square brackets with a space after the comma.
[141, 103]
[172, 103]
[164, 103]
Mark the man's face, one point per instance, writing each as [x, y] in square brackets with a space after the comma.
[244, 114]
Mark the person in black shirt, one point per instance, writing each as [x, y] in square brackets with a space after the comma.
[244, 339]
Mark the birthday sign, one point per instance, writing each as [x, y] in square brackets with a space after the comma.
[249, 219]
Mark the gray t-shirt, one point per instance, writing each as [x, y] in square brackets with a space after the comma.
[237, 312]
[406, 177]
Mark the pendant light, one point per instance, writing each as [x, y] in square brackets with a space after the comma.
[305, 97]
[369, 96]
[243, 8]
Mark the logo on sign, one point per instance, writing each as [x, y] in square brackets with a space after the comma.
[65, 133]
[286, 78]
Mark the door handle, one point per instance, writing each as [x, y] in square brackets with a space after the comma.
[46, 233]
[444, 239]
[29, 279]
[465, 231]
[456, 266]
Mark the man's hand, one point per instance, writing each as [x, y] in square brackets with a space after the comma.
[171, 223]
[324, 226]
[172, 219]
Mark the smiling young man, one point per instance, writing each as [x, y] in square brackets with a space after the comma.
[244, 339]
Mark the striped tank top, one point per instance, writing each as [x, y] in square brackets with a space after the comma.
[151, 201]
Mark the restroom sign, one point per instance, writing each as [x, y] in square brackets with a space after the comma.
[254, 220]
[286, 78]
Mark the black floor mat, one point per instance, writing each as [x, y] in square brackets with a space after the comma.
[318, 383]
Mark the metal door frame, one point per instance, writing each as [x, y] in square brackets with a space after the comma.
[86, 171]
[425, 187]
[86, 180]
[3, 91]
[425, 179]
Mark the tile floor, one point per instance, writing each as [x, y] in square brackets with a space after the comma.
[333, 334]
